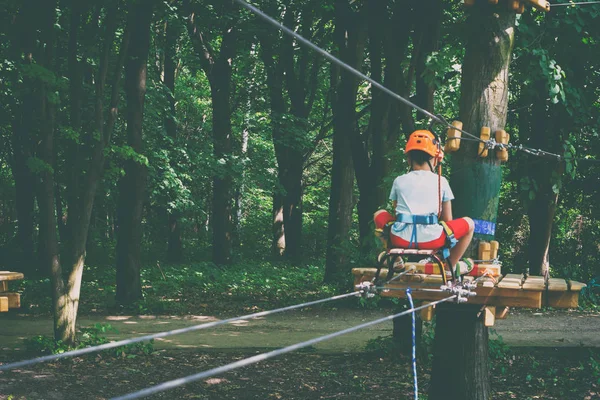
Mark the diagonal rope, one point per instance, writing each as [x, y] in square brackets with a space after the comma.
[491, 143]
[580, 3]
[264, 356]
[158, 335]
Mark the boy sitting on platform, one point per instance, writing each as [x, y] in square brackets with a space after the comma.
[419, 198]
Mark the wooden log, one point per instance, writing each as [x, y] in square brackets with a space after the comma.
[511, 281]
[562, 299]
[575, 286]
[502, 312]
[557, 285]
[14, 299]
[460, 367]
[427, 313]
[534, 283]
[4, 304]
[541, 5]
[489, 316]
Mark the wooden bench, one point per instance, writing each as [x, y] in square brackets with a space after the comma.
[9, 299]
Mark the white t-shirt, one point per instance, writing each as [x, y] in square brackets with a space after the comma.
[417, 193]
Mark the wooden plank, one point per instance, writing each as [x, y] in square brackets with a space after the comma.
[14, 299]
[3, 286]
[541, 5]
[3, 304]
[511, 281]
[489, 316]
[575, 286]
[557, 285]
[534, 283]
[10, 276]
[562, 299]
[427, 313]
[502, 312]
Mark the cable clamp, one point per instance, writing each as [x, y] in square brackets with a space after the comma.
[367, 289]
[491, 143]
[462, 290]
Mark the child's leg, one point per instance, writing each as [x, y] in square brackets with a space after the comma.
[457, 251]
[381, 218]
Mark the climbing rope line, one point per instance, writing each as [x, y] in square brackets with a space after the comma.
[265, 356]
[414, 342]
[125, 342]
[490, 143]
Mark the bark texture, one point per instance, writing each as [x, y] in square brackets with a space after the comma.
[460, 354]
[133, 184]
[476, 181]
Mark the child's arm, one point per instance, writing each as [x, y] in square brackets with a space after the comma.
[394, 204]
[446, 211]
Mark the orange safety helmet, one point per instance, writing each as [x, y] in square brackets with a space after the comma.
[425, 141]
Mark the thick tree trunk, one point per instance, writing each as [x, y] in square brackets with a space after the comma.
[133, 185]
[542, 207]
[175, 244]
[475, 181]
[460, 356]
[350, 37]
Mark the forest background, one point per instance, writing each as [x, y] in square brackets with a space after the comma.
[167, 155]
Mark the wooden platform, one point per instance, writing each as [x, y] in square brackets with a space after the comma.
[8, 299]
[511, 290]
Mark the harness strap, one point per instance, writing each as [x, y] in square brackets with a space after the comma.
[430, 219]
[450, 239]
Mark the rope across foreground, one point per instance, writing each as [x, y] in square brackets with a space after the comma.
[112, 345]
[265, 356]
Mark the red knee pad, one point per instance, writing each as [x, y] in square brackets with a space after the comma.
[381, 218]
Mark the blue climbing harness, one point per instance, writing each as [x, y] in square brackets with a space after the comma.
[431, 219]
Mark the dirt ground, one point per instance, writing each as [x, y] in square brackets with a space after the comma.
[522, 328]
[554, 355]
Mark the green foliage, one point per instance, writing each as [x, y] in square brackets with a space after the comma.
[89, 337]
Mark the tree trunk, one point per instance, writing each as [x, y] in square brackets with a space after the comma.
[218, 69]
[542, 207]
[460, 367]
[23, 126]
[475, 181]
[175, 244]
[350, 37]
[278, 244]
[133, 184]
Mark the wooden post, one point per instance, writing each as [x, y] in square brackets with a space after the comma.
[460, 354]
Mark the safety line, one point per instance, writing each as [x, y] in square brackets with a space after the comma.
[158, 335]
[264, 356]
[437, 118]
[414, 342]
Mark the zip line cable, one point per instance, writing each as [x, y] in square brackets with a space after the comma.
[126, 342]
[580, 3]
[264, 356]
[436, 118]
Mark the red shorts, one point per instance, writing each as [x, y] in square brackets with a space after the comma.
[459, 226]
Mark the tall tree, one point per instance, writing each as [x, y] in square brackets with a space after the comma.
[291, 74]
[175, 244]
[349, 39]
[66, 291]
[217, 65]
[24, 108]
[133, 184]
[476, 185]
